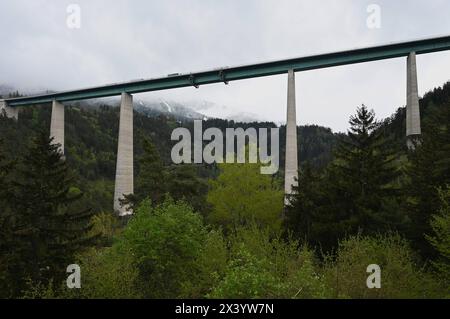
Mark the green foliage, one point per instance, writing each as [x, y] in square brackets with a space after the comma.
[401, 276]
[167, 251]
[107, 273]
[262, 266]
[46, 231]
[440, 240]
[210, 265]
[91, 144]
[183, 183]
[242, 195]
[303, 208]
[167, 242]
[7, 257]
[40, 291]
[151, 177]
[357, 193]
[429, 170]
[154, 180]
[98, 195]
[105, 226]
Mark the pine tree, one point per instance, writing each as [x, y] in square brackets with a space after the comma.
[7, 281]
[48, 233]
[440, 238]
[151, 178]
[303, 203]
[6, 167]
[155, 180]
[363, 178]
[184, 183]
[429, 171]
[358, 191]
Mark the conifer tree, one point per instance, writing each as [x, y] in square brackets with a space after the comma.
[362, 180]
[183, 183]
[440, 238]
[48, 233]
[429, 171]
[357, 193]
[151, 179]
[155, 180]
[303, 203]
[7, 282]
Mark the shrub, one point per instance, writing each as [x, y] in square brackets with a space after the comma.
[401, 276]
[173, 251]
[262, 266]
[107, 273]
[440, 240]
[241, 195]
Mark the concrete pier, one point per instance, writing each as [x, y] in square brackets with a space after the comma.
[57, 125]
[124, 167]
[412, 102]
[291, 164]
[11, 112]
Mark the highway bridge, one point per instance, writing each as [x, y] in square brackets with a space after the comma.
[124, 167]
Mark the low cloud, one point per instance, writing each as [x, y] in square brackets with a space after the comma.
[123, 40]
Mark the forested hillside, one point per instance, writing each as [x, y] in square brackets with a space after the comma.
[222, 231]
[91, 142]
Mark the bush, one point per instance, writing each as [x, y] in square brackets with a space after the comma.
[241, 195]
[440, 240]
[105, 226]
[265, 267]
[107, 273]
[401, 276]
[173, 251]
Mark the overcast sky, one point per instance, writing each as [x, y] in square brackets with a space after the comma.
[125, 40]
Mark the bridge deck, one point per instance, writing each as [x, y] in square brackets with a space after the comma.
[388, 51]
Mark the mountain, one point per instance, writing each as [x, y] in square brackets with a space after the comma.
[193, 110]
[92, 131]
[6, 90]
[163, 107]
[149, 108]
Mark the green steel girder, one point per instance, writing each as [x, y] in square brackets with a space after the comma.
[388, 51]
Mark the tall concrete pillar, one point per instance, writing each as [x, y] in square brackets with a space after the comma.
[11, 112]
[57, 125]
[124, 167]
[412, 102]
[291, 164]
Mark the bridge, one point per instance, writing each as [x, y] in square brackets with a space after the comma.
[124, 166]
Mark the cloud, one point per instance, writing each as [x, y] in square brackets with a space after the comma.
[125, 40]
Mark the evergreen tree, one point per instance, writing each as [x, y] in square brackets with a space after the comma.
[440, 239]
[6, 168]
[151, 181]
[6, 236]
[363, 180]
[151, 178]
[429, 171]
[357, 193]
[155, 180]
[183, 183]
[48, 233]
[303, 203]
